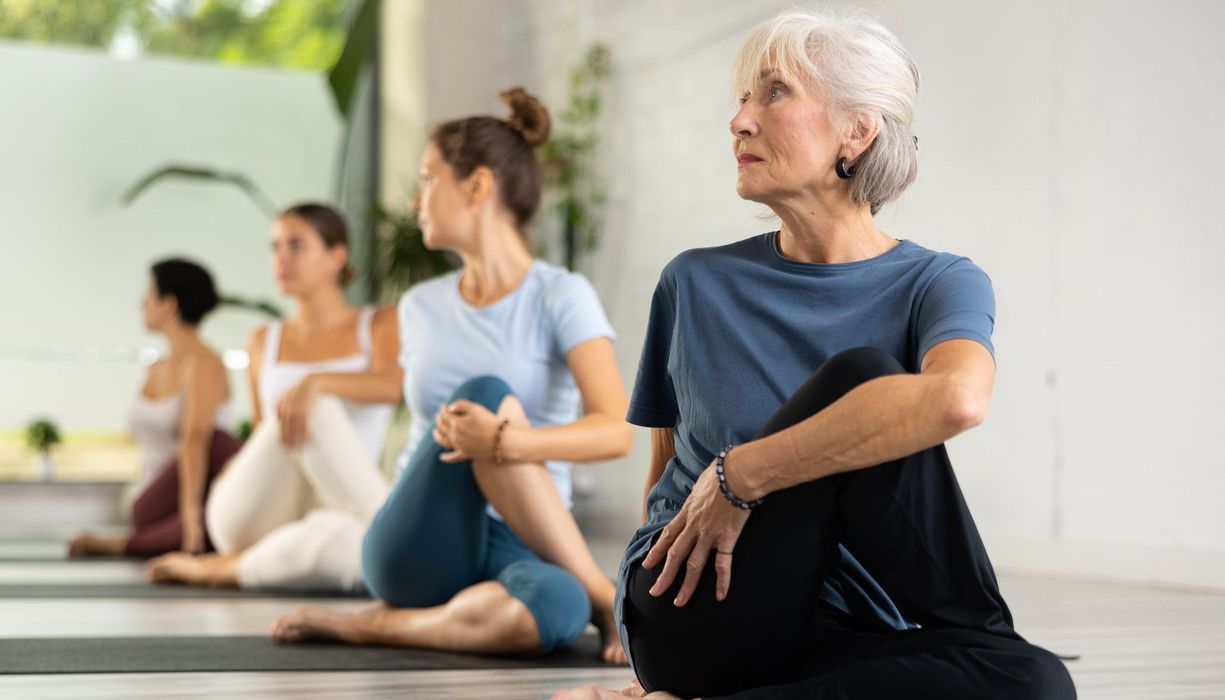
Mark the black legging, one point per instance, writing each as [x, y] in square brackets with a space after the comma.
[907, 523]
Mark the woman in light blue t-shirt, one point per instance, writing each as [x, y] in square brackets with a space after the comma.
[476, 549]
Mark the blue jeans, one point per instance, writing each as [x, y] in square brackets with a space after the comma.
[433, 538]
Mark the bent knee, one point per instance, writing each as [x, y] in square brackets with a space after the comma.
[516, 629]
[863, 363]
[1047, 678]
[487, 390]
[558, 603]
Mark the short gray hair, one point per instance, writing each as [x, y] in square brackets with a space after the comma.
[862, 69]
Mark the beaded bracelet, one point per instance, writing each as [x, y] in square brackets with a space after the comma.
[497, 443]
[727, 493]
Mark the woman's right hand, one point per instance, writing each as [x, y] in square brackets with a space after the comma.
[294, 412]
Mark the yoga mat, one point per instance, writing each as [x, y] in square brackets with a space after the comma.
[148, 590]
[215, 654]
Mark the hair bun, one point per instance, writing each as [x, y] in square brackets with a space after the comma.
[528, 115]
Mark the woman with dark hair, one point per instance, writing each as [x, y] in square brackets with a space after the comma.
[179, 419]
[291, 509]
[476, 549]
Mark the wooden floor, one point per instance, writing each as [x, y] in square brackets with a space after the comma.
[1135, 643]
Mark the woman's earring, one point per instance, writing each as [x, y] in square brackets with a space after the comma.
[844, 172]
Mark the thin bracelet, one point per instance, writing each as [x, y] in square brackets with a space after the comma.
[497, 442]
[727, 492]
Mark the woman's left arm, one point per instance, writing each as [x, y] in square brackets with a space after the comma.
[207, 387]
[877, 422]
[601, 433]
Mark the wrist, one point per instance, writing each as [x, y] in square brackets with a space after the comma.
[741, 480]
[512, 443]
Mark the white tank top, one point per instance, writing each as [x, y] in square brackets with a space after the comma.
[275, 378]
[155, 424]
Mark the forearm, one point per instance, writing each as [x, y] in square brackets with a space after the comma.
[877, 422]
[592, 438]
[193, 465]
[369, 387]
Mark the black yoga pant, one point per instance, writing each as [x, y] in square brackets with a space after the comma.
[907, 522]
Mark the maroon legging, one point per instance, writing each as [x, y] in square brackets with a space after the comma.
[157, 527]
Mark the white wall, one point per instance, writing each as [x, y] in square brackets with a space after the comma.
[77, 128]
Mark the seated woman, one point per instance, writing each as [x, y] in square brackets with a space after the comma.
[476, 549]
[290, 510]
[179, 419]
[762, 467]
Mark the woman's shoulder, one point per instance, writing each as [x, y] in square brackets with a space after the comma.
[206, 364]
[938, 262]
[429, 289]
[700, 261]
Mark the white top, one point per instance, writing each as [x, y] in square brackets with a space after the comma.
[276, 378]
[155, 424]
[523, 338]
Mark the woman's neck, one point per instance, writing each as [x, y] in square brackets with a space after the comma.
[830, 232]
[495, 266]
[323, 309]
[182, 339]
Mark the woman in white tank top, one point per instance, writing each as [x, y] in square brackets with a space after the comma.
[179, 419]
[290, 510]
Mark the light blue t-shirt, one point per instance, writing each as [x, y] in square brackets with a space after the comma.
[735, 330]
[522, 338]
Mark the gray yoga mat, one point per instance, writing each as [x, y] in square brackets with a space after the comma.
[148, 590]
[216, 654]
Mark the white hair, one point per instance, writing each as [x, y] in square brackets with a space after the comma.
[862, 70]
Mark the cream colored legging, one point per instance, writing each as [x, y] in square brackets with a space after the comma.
[298, 516]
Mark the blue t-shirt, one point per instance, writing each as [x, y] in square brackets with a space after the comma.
[522, 338]
[735, 330]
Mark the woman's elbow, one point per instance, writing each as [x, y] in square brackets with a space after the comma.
[625, 440]
[393, 389]
[964, 407]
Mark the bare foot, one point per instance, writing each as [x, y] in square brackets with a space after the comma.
[87, 544]
[206, 569]
[595, 692]
[314, 622]
[610, 641]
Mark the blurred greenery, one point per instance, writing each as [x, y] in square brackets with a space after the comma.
[399, 258]
[302, 34]
[570, 155]
[42, 435]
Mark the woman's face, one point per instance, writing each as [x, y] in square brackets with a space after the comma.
[301, 262]
[157, 311]
[784, 142]
[444, 209]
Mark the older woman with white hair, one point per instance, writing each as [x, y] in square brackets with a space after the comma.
[805, 535]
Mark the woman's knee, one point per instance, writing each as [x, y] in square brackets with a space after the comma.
[486, 390]
[862, 364]
[1047, 678]
[557, 601]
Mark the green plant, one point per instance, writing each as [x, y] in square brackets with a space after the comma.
[42, 435]
[288, 33]
[260, 305]
[245, 428]
[203, 174]
[399, 259]
[570, 157]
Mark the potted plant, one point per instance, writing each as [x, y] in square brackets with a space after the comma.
[41, 436]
